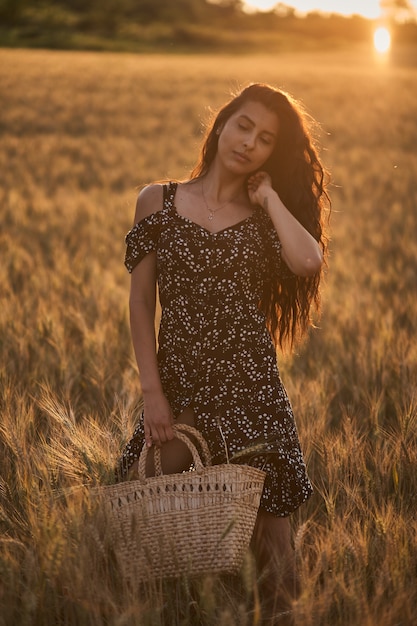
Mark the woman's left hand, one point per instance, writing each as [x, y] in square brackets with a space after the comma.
[259, 185]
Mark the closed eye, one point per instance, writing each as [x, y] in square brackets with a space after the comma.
[266, 141]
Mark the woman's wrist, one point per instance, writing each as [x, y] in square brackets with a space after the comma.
[269, 198]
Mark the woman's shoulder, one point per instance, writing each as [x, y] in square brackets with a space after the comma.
[149, 201]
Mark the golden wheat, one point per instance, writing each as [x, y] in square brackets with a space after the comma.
[79, 133]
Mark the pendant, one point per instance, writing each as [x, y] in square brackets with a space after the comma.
[211, 215]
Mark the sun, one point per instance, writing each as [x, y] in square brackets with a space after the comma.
[382, 39]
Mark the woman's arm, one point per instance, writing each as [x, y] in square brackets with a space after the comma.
[300, 251]
[158, 417]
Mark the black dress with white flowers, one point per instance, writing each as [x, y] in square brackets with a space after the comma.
[215, 353]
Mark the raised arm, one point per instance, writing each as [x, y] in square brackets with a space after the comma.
[300, 251]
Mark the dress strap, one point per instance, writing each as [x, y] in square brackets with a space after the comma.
[169, 194]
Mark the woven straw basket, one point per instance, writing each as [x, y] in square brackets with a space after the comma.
[197, 522]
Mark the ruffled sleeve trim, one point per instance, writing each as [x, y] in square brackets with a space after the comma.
[142, 239]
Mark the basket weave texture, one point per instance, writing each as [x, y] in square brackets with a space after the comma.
[196, 522]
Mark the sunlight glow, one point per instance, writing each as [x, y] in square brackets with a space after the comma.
[371, 9]
[382, 40]
[261, 5]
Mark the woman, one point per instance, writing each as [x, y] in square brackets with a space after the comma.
[237, 254]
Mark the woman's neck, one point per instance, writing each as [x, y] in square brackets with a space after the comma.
[223, 186]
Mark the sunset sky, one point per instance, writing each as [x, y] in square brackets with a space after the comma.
[370, 8]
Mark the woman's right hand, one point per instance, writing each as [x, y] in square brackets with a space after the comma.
[158, 419]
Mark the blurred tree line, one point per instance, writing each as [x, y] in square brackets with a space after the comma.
[98, 12]
[192, 23]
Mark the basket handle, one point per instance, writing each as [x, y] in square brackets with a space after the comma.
[157, 453]
[190, 430]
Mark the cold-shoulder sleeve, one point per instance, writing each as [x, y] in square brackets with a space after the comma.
[142, 239]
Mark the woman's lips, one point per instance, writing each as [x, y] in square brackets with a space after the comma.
[241, 156]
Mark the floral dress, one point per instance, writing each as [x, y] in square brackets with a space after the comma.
[215, 353]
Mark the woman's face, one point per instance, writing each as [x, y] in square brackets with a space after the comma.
[248, 138]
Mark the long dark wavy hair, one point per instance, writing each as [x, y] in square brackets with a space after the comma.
[300, 180]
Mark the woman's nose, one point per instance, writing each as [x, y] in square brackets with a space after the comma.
[249, 141]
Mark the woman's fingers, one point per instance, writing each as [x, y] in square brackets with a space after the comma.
[257, 184]
[163, 434]
[158, 420]
[158, 433]
[257, 179]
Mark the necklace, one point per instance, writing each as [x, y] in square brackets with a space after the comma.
[212, 212]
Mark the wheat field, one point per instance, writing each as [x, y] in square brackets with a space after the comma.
[79, 133]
